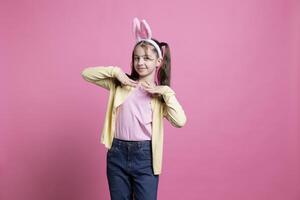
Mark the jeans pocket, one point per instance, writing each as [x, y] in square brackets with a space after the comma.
[145, 153]
[113, 150]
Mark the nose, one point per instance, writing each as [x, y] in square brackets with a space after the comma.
[140, 61]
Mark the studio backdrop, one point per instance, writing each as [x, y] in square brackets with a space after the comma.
[235, 70]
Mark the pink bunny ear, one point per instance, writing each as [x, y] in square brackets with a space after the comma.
[145, 28]
[136, 28]
[141, 30]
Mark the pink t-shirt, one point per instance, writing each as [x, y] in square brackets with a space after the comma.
[134, 116]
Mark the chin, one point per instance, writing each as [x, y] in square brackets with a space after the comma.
[143, 74]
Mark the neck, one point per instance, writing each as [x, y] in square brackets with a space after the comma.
[148, 79]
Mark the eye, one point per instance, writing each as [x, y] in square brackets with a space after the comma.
[144, 58]
[148, 58]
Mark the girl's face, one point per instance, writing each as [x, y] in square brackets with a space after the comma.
[145, 62]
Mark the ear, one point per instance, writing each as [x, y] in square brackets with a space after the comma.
[145, 29]
[136, 28]
[158, 62]
[141, 30]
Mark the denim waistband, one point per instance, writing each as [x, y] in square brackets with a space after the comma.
[133, 144]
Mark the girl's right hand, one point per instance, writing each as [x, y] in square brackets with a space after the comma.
[125, 80]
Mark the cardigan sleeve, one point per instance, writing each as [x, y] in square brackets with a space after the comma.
[101, 75]
[172, 109]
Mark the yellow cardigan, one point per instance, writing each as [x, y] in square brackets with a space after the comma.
[171, 109]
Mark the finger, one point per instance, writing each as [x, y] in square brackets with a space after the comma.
[145, 85]
[145, 88]
[133, 84]
[150, 84]
[126, 80]
[149, 90]
[133, 81]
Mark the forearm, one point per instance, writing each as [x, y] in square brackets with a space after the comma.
[173, 111]
[99, 72]
[101, 75]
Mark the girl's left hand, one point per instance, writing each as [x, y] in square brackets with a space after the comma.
[153, 89]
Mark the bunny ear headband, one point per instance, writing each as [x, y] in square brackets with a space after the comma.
[143, 32]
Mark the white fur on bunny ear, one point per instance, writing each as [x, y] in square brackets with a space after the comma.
[143, 32]
[136, 28]
[145, 25]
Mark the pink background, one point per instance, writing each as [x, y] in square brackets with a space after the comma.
[235, 70]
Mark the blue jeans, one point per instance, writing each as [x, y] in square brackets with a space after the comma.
[129, 171]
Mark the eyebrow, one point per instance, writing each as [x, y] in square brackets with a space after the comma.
[142, 55]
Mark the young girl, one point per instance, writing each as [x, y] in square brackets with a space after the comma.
[133, 127]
